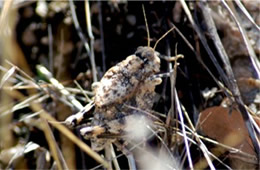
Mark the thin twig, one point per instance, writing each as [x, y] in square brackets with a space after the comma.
[92, 39]
[50, 47]
[53, 145]
[100, 21]
[178, 109]
[202, 62]
[82, 91]
[170, 115]
[83, 39]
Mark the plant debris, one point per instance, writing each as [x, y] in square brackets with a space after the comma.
[86, 85]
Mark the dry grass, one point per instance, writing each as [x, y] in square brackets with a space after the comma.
[35, 100]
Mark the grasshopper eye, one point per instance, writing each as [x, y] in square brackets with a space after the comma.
[141, 56]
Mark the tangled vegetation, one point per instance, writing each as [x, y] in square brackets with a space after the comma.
[189, 101]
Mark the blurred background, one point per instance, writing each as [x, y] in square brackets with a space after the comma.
[78, 41]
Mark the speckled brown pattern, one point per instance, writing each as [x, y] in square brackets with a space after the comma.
[121, 81]
[130, 82]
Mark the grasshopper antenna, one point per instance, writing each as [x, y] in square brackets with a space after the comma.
[146, 25]
[164, 35]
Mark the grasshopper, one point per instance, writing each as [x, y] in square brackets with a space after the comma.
[130, 82]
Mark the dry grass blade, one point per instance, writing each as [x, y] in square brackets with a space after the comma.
[75, 90]
[100, 18]
[108, 156]
[76, 24]
[84, 40]
[183, 131]
[26, 102]
[203, 163]
[200, 143]
[82, 91]
[59, 86]
[202, 62]
[115, 161]
[228, 80]
[232, 149]
[241, 6]
[53, 145]
[207, 154]
[30, 116]
[31, 80]
[71, 136]
[19, 77]
[204, 42]
[232, 84]
[148, 106]
[91, 36]
[252, 55]
[6, 76]
[50, 48]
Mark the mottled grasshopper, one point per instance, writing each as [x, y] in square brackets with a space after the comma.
[130, 82]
